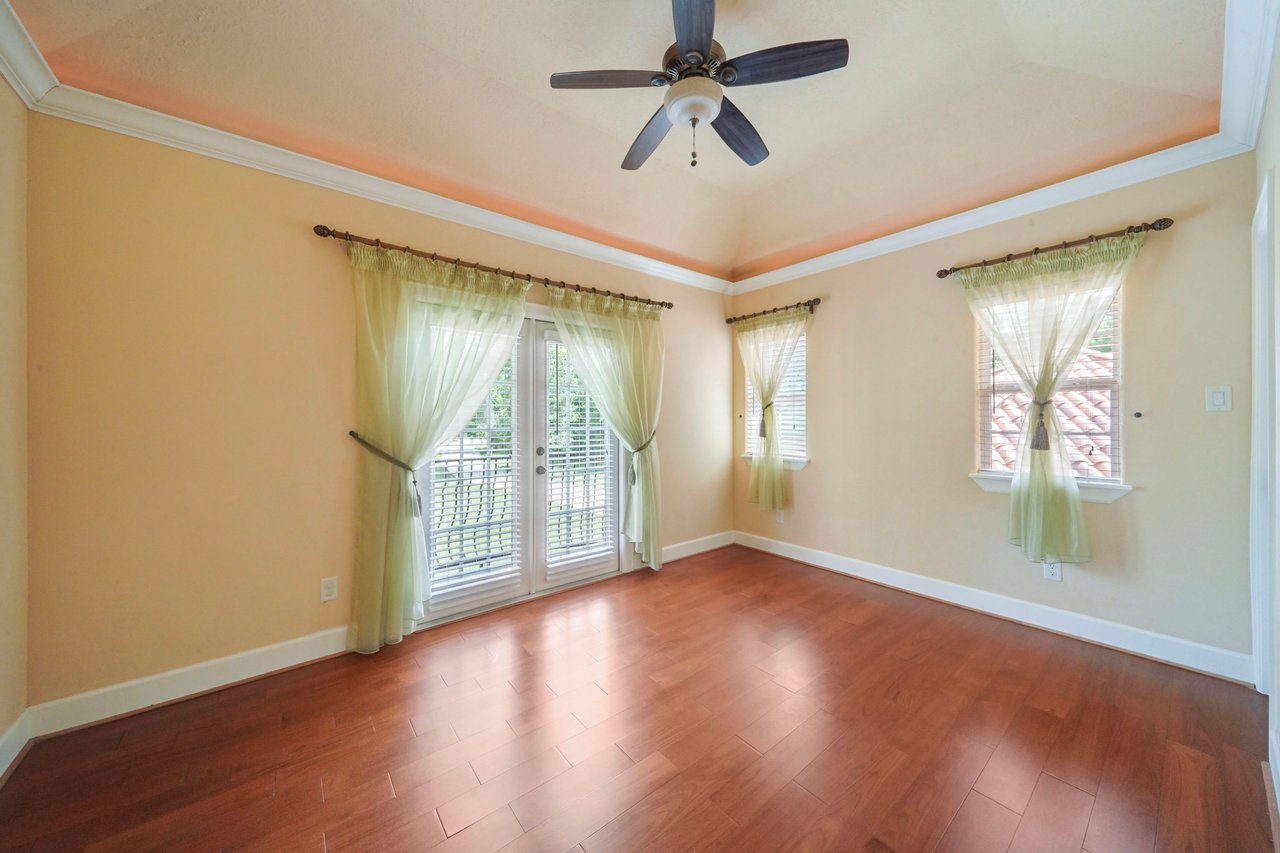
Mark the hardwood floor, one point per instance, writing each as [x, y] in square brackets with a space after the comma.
[735, 701]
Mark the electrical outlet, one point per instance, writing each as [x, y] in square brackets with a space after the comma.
[779, 516]
[1053, 572]
[328, 589]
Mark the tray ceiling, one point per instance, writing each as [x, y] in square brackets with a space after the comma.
[944, 106]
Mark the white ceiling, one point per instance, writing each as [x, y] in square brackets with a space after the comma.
[945, 105]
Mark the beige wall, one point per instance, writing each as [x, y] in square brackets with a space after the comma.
[892, 417]
[13, 406]
[192, 373]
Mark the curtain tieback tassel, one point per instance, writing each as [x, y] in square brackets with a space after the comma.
[1040, 441]
[635, 454]
[764, 432]
[384, 455]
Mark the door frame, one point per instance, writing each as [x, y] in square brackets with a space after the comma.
[526, 428]
[1264, 474]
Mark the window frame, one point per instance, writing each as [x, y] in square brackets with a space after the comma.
[1092, 489]
[751, 414]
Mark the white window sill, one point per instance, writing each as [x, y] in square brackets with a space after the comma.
[1094, 493]
[791, 463]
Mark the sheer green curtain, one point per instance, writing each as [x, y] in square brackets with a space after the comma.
[767, 345]
[616, 347]
[1039, 314]
[430, 340]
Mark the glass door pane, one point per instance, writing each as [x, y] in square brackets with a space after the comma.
[579, 527]
[473, 506]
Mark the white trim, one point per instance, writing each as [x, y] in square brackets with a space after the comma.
[791, 463]
[1248, 46]
[1186, 653]
[14, 740]
[117, 116]
[1262, 465]
[680, 550]
[1176, 159]
[1094, 493]
[20, 60]
[1246, 67]
[140, 693]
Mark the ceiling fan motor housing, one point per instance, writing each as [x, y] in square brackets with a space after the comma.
[693, 98]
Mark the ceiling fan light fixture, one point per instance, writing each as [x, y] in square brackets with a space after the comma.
[693, 98]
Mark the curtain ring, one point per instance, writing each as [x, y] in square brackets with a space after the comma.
[1008, 257]
[378, 243]
[1035, 251]
[1064, 244]
[433, 256]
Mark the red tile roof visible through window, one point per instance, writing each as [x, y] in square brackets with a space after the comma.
[1085, 416]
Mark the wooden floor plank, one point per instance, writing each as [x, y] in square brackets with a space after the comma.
[734, 701]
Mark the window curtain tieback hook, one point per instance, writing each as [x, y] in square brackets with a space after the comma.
[405, 466]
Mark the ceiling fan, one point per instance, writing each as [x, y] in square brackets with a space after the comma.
[695, 69]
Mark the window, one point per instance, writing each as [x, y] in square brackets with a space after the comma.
[1088, 405]
[789, 408]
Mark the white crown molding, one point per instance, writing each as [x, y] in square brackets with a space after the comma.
[1250, 31]
[109, 114]
[20, 60]
[1186, 653]
[1246, 67]
[1176, 159]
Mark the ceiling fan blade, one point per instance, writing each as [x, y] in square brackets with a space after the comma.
[695, 21]
[607, 79]
[739, 134]
[647, 142]
[786, 62]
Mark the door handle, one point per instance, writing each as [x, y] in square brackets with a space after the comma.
[541, 470]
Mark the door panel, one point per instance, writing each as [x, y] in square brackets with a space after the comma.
[473, 505]
[526, 497]
[577, 534]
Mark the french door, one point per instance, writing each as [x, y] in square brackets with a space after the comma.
[525, 499]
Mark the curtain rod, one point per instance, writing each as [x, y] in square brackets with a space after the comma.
[810, 304]
[326, 231]
[1158, 225]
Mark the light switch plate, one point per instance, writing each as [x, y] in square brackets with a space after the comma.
[1217, 398]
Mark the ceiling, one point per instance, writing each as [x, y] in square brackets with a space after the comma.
[946, 104]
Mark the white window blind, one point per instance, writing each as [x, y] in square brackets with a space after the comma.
[1088, 405]
[474, 496]
[581, 478]
[788, 406]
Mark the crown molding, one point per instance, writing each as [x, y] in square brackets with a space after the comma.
[109, 114]
[1176, 159]
[1250, 37]
[21, 62]
[1247, 56]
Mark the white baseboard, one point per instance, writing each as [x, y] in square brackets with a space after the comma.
[140, 693]
[680, 550]
[106, 702]
[1185, 653]
[14, 740]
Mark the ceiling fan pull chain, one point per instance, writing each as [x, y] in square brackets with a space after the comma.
[694, 153]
